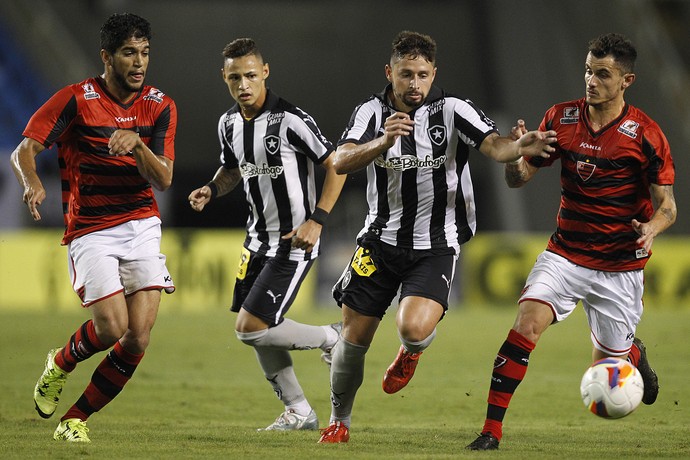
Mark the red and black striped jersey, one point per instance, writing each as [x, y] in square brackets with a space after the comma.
[605, 180]
[100, 190]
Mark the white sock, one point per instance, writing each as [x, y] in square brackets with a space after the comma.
[300, 408]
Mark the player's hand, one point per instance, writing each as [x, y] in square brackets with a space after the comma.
[398, 124]
[517, 131]
[536, 143]
[199, 198]
[305, 236]
[123, 142]
[33, 196]
[646, 234]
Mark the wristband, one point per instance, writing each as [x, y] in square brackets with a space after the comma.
[214, 188]
[319, 216]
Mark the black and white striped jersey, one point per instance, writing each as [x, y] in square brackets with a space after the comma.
[275, 153]
[420, 192]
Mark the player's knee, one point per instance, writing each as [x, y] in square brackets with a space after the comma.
[530, 328]
[135, 343]
[251, 338]
[110, 331]
[413, 332]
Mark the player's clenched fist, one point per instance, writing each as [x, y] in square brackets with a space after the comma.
[199, 198]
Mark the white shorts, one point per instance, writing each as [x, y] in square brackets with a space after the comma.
[125, 258]
[612, 301]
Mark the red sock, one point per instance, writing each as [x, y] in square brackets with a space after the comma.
[106, 382]
[83, 344]
[634, 355]
[510, 368]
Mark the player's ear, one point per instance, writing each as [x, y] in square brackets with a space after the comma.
[389, 73]
[267, 71]
[628, 79]
[106, 58]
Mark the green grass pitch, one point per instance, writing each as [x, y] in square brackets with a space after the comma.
[199, 393]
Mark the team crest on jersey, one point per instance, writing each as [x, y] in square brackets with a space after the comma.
[89, 91]
[585, 169]
[570, 115]
[272, 144]
[437, 134]
[154, 95]
[629, 128]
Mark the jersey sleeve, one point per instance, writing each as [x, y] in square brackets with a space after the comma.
[306, 137]
[227, 155]
[656, 148]
[53, 118]
[472, 124]
[164, 129]
[363, 125]
[547, 123]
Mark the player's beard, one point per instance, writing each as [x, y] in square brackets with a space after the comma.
[122, 82]
[411, 102]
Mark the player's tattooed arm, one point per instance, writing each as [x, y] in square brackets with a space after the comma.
[664, 216]
[223, 182]
[226, 180]
[667, 207]
[518, 173]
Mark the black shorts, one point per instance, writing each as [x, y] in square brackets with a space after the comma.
[266, 286]
[377, 270]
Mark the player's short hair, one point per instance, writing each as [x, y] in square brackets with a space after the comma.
[120, 27]
[412, 45]
[616, 45]
[241, 47]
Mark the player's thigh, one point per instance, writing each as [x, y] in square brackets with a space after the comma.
[143, 266]
[429, 277]
[93, 261]
[557, 283]
[275, 289]
[142, 307]
[110, 318]
[533, 318]
[614, 309]
[367, 286]
[358, 329]
[417, 317]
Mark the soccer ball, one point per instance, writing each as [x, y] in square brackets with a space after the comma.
[612, 388]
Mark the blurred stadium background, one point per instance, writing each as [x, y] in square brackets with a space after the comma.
[514, 59]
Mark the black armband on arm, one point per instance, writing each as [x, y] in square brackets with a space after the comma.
[319, 216]
[214, 189]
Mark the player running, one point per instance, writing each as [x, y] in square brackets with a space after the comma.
[414, 140]
[614, 161]
[271, 147]
[115, 138]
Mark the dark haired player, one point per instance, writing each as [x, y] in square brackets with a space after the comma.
[115, 138]
[615, 162]
[414, 140]
[271, 147]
